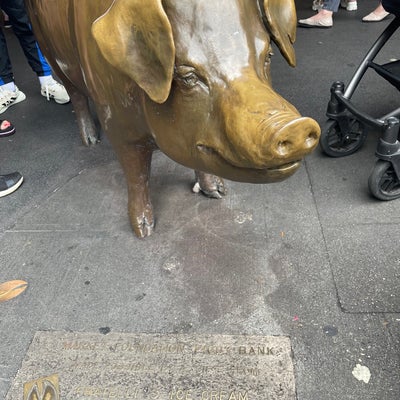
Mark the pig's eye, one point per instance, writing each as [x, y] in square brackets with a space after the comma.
[187, 76]
[190, 79]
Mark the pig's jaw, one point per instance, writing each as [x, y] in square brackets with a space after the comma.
[235, 172]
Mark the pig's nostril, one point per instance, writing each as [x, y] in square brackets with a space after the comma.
[296, 138]
[311, 139]
[284, 147]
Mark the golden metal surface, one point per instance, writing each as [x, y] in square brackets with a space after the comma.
[189, 77]
[42, 389]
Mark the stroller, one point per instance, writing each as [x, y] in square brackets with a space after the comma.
[346, 129]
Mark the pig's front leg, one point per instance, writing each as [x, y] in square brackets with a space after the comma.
[136, 162]
[211, 185]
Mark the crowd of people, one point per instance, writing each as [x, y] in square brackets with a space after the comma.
[326, 9]
[14, 14]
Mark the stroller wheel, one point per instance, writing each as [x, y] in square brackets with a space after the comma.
[338, 143]
[383, 182]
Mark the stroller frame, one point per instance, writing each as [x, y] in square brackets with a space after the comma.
[345, 131]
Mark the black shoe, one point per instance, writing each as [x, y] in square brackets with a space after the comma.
[10, 183]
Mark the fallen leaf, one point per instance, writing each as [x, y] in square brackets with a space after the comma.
[11, 289]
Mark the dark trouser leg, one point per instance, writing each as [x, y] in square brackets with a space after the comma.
[23, 30]
[6, 74]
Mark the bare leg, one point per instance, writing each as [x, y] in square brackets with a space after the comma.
[377, 15]
[323, 19]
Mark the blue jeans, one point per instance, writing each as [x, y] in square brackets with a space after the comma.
[331, 5]
[15, 9]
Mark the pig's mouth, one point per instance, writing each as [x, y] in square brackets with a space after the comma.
[286, 168]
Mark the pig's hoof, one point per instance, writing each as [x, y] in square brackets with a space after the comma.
[211, 185]
[89, 139]
[143, 227]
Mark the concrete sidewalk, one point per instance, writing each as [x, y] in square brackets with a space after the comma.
[315, 257]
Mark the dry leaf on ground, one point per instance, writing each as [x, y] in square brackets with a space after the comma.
[11, 289]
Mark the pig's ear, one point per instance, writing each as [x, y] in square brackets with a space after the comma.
[280, 18]
[138, 40]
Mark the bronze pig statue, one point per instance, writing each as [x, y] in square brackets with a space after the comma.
[190, 77]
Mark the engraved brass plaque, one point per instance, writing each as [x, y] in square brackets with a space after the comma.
[155, 367]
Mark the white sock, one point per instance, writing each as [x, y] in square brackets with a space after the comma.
[8, 86]
[46, 80]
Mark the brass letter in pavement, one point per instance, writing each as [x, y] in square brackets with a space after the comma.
[42, 389]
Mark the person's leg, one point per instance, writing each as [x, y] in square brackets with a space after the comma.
[6, 73]
[349, 5]
[323, 19]
[6, 20]
[22, 28]
[10, 183]
[377, 15]
[6, 128]
[391, 6]
[317, 5]
[9, 94]
[16, 12]
[331, 5]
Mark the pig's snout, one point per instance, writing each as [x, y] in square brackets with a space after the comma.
[263, 129]
[295, 139]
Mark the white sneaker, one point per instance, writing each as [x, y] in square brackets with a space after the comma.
[8, 98]
[56, 91]
[349, 5]
[317, 5]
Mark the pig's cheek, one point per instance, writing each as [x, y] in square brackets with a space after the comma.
[180, 123]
